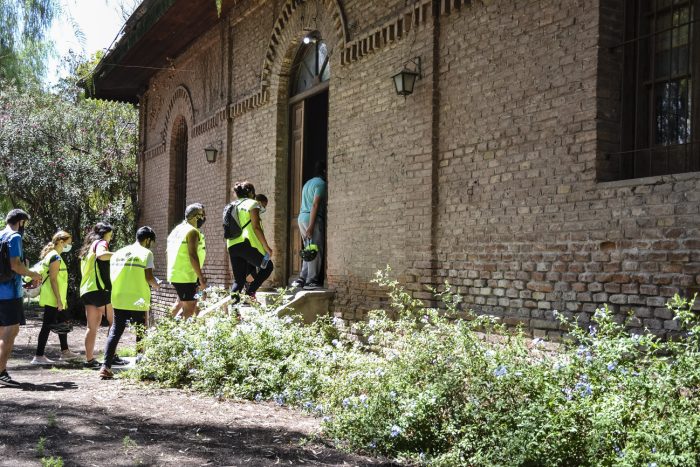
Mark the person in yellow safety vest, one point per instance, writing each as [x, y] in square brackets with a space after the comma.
[95, 286]
[131, 272]
[52, 295]
[186, 251]
[251, 247]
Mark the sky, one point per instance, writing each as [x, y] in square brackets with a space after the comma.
[99, 20]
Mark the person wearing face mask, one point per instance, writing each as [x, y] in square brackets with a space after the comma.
[250, 248]
[53, 295]
[95, 286]
[11, 305]
[131, 272]
[186, 251]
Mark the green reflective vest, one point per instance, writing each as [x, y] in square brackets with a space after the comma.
[248, 232]
[91, 280]
[179, 267]
[46, 295]
[127, 269]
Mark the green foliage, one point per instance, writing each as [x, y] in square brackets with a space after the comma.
[455, 392]
[51, 420]
[41, 446]
[23, 48]
[52, 461]
[128, 442]
[69, 162]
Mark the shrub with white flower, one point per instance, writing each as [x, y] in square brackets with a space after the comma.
[435, 390]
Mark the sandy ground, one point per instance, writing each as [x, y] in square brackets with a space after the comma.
[90, 422]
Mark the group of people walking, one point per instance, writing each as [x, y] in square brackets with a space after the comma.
[117, 285]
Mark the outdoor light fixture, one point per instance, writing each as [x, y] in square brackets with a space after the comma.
[405, 79]
[310, 38]
[211, 153]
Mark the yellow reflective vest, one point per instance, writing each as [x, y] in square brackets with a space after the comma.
[46, 295]
[179, 267]
[248, 233]
[91, 279]
[127, 269]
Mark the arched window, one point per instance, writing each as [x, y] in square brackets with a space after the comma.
[178, 172]
[311, 67]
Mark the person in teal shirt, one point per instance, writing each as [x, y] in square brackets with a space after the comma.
[311, 220]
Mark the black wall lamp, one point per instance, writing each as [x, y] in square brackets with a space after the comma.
[211, 152]
[405, 80]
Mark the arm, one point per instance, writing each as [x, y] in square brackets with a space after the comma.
[192, 243]
[255, 222]
[312, 217]
[151, 279]
[102, 251]
[20, 268]
[53, 278]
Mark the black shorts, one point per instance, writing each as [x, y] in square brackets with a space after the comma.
[185, 290]
[12, 312]
[98, 298]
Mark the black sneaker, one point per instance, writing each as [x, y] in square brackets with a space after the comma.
[312, 285]
[92, 364]
[299, 283]
[118, 361]
[6, 380]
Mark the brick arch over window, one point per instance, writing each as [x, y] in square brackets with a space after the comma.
[296, 18]
[180, 104]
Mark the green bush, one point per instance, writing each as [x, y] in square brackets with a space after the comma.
[455, 392]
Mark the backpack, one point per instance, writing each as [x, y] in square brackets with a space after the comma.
[6, 272]
[232, 226]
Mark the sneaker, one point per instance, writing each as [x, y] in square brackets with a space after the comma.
[118, 361]
[106, 373]
[6, 380]
[92, 364]
[42, 360]
[299, 283]
[312, 285]
[68, 355]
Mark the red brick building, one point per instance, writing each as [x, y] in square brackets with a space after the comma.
[546, 159]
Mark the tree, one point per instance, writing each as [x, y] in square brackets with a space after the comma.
[23, 48]
[68, 161]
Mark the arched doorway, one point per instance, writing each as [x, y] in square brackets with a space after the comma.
[308, 123]
[178, 172]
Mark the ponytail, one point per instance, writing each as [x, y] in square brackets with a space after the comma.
[57, 237]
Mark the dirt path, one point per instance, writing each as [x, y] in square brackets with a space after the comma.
[89, 422]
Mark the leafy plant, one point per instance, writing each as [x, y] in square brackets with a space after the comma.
[41, 446]
[52, 461]
[433, 385]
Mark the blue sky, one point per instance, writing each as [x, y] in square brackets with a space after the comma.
[99, 21]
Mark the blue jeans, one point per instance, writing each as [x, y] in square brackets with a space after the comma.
[117, 329]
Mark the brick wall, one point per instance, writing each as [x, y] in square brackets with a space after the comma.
[487, 176]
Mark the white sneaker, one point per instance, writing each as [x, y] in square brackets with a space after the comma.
[68, 355]
[43, 360]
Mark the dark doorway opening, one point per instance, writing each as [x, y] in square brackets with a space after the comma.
[308, 136]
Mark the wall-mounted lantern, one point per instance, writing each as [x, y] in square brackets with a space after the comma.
[211, 152]
[405, 80]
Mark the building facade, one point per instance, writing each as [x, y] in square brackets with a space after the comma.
[546, 159]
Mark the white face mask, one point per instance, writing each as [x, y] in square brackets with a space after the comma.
[262, 209]
[67, 248]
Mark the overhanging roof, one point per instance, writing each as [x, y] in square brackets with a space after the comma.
[157, 32]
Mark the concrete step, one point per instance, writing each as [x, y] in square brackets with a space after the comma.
[307, 305]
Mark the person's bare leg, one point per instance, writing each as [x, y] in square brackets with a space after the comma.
[7, 342]
[176, 308]
[94, 318]
[189, 309]
[109, 312]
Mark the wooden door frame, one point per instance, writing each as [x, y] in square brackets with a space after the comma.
[291, 102]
